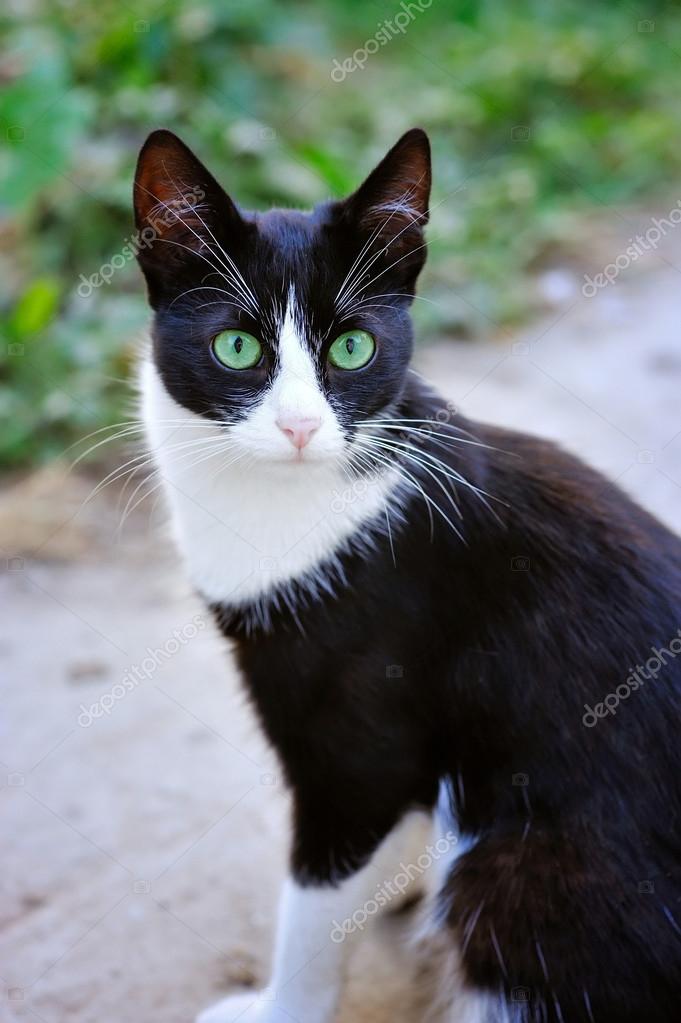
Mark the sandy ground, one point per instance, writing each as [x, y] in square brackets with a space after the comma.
[143, 850]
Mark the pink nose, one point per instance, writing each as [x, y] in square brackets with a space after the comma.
[299, 429]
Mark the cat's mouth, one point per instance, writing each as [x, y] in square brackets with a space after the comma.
[300, 460]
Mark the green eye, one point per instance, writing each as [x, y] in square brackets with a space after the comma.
[352, 350]
[236, 349]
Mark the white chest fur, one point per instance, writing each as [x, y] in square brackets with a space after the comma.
[249, 528]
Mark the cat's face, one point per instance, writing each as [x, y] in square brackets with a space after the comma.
[287, 327]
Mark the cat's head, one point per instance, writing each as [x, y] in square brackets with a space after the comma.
[288, 327]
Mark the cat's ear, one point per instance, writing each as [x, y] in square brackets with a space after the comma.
[393, 201]
[180, 209]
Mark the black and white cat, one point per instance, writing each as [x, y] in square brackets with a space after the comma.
[419, 605]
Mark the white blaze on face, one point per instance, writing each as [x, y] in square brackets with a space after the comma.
[294, 398]
[258, 513]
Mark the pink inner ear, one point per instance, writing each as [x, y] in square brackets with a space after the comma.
[178, 201]
[399, 216]
[394, 198]
[164, 194]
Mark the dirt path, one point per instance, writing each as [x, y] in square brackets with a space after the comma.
[143, 849]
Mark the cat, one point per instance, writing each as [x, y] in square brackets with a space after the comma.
[427, 613]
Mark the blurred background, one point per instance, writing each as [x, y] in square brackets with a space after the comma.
[551, 305]
[543, 117]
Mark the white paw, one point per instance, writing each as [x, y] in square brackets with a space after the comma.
[246, 1007]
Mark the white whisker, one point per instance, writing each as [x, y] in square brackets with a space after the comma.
[373, 260]
[348, 284]
[362, 462]
[385, 424]
[351, 292]
[192, 462]
[411, 479]
[447, 470]
[239, 281]
[235, 276]
[234, 300]
[419, 463]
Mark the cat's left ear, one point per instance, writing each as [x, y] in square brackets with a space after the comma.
[393, 201]
[180, 212]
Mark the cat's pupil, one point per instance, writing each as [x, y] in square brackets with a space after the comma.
[350, 345]
[238, 345]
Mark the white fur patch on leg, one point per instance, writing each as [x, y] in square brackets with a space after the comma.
[316, 929]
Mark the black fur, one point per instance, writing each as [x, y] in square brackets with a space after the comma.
[468, 661]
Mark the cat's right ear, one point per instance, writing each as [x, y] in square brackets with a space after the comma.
[391, 206]
[181, 212]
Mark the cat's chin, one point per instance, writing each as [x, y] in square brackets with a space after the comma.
[300, 463]
[309, 459]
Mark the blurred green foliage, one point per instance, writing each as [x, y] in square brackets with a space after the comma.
[539, 112]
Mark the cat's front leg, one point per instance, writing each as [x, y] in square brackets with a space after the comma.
[318, 922]
[308, 964]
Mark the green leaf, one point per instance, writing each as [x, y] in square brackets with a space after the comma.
[36, 307]
[338, 176]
